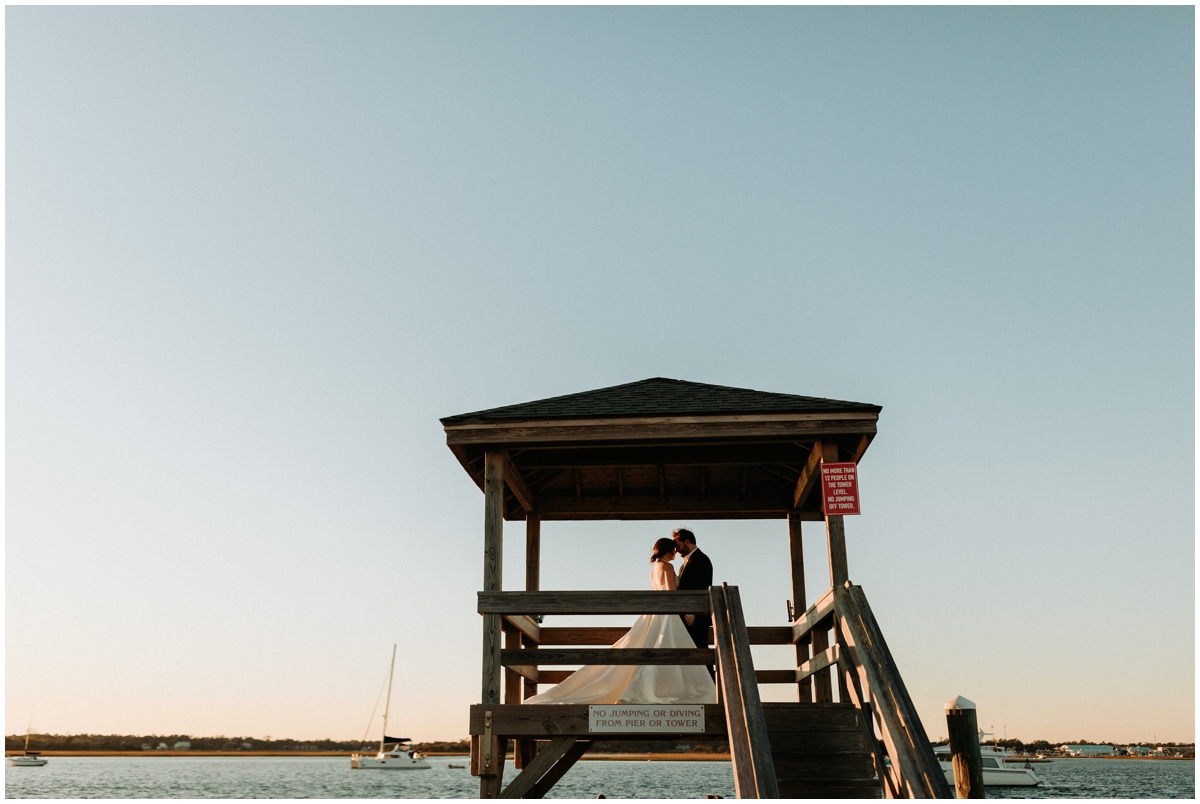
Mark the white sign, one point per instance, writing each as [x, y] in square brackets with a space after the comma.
[653, 718]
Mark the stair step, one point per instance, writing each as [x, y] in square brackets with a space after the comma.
[857, 788]
[810, 717]
[824, 767]
[820, 743]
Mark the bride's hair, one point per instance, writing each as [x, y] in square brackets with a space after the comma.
[661, 548]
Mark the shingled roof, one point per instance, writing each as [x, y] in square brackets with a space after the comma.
[660, 396]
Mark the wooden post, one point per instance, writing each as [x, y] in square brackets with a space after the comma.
[533, 581]
[822, 686]
[799, 597]
[525, 750]
[963, 728]
[533, 552]
[491, 761]
[835, 531]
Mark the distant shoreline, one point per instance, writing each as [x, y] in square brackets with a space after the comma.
[682, 757]
[699, 756]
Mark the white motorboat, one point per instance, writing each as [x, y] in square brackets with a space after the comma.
[400, 755]
[995, 772]
[28, 759]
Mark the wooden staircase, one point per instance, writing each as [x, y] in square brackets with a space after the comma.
[785, 750]
[819, 751]
[870, 744]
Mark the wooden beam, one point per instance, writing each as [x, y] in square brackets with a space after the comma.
[623, 656]
[782, 427]
[559, 769]
[809, 477]
[815, 614]
[830, 656]
[582, 636]
[759, 635]
[614, 602]
[863, 443]
[767, 634]
[621, 456]
[535, 770]
[526, 625]
[516, 483]
[525, 671]
[775, 676]
[715, 505]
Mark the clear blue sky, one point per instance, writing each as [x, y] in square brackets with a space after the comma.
[253, 255]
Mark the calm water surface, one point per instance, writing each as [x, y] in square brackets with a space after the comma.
[331, 777]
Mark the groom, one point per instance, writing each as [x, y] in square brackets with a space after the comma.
[696, 573]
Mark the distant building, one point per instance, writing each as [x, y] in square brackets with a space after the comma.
[1087, 750]
[161, 747]
[147, 747]
[247, 745]
[182, 745]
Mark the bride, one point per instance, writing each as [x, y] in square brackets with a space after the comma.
[636, 684]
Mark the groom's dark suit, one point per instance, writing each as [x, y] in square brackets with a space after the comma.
[697, 574]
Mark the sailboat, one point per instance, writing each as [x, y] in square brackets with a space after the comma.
[400, 756]
[30, 759]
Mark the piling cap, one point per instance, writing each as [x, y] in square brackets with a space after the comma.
[959, 703]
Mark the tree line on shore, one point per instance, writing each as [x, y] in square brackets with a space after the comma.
[159, 742]
[169, 742]
[1046, 747]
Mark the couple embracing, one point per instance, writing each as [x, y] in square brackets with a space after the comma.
[666, 684]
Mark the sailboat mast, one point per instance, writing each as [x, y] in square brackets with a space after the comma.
[28, 729]
[388, 705]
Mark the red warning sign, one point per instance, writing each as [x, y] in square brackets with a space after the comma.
[839, 486]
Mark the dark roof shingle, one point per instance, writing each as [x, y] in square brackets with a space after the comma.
[660, 396]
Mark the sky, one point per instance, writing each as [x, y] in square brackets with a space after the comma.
[254, 254]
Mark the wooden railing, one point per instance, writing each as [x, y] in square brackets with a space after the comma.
[867, 677]
[878, 690]
[745, 726]
[749, 745]
[856, 659]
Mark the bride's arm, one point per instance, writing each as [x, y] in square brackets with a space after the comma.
[671, 584]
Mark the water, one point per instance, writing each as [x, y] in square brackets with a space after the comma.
[331, 777]
[1108, 778]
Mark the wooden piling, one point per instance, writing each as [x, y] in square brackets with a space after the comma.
[963, 727]
[490, 760]
[799, 597]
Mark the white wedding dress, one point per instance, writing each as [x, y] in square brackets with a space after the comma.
[640, 684]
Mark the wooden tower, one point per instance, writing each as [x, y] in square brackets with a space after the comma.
[684, 451]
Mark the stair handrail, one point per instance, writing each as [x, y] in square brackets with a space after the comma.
[746, 726]
[881, 694]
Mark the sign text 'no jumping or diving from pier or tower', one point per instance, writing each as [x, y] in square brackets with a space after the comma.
[637, 718]
[839, 485]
